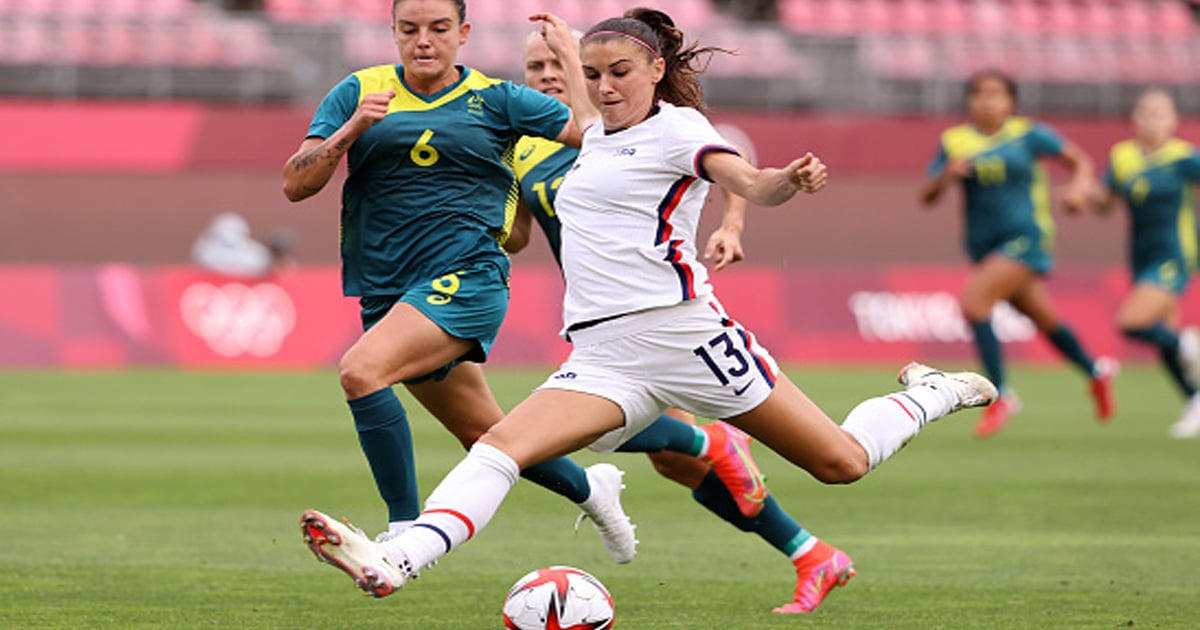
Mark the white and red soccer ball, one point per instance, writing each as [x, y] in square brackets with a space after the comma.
[558, 598]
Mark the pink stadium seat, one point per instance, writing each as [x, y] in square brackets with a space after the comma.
[32, 7]
[835, 17]
[1100, 19]
[796, 15]
[378, 11]
[573, 12]
[249, 45]
[1173, 19]
[204, 46]
[1135, 19]
[875, 16]
[174, 8]
[487, 12]
[1024, 16]
[1063, 18]
[950, 16]
[79, 43]
[121, 43]
[31, 42]
[912, 16]
[367, 44]
[903, 57]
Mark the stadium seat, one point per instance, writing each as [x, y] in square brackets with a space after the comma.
[121, 43]
[950, 16]
[912, 16]
[1173, 19]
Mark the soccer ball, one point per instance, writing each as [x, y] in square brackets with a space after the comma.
[558, 598]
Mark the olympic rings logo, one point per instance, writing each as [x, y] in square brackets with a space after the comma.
[235, 319]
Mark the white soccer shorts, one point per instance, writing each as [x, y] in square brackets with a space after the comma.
[691, 356]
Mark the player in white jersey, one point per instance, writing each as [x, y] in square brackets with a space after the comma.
[647, 332]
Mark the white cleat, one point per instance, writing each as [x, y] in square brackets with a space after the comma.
[969, 389]
[1188, 425]
[604, 508]
[1189, 353]
[348, 548]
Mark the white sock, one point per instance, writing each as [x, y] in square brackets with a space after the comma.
[884, 425]
[459, 507]
[395, 528]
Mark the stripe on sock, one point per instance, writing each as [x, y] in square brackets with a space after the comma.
[804, 548]
[910, 414]
[460, 516]
[924, 414]
[438, 531]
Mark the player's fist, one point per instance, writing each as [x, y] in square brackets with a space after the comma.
[557, 33]
[372, 109]
[808, 174]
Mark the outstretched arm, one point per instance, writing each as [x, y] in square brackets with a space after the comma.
[768, 186]
[312, 166]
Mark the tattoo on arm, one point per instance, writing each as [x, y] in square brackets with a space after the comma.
[323, 151]
[306, 159]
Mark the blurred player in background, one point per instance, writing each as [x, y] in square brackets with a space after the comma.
[540, 168]
[646, 330]
[1010, 230]
[423, 211]
[1154, 174]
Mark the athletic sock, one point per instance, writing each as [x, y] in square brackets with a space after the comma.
[1069, 347]
[989, 351]
[773, 525]
[460, 506]
[1167, 342]
[386, 440]
[668, 434]
[560, 476]
[884, 425]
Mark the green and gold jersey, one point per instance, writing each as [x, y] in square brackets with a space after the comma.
[1007, 191]
[540, 167]
[429, 185]
[1157, 186]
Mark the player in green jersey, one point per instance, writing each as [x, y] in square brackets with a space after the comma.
[1154, 174]
[540, 168]
[1009, 229]
[428, 145]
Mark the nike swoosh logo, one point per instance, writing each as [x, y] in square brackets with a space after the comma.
[738, 391]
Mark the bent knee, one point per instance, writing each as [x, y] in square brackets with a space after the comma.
[842, 468]
[359, 377]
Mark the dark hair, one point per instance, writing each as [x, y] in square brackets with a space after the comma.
[979, 76]
[461, 5]
[657, 30]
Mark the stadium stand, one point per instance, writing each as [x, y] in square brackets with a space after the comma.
[889, 55]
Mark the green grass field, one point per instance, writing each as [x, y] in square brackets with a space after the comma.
[170, 499]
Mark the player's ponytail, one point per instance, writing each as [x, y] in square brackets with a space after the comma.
[656, 32]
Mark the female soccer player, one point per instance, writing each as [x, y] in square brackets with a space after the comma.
[1154, 174]
[423, 206]
[541, 167]
[647, 331]
[1009, 229]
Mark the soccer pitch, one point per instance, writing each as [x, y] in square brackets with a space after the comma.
[170, 499]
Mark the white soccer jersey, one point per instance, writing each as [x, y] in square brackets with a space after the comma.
[629, 209]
